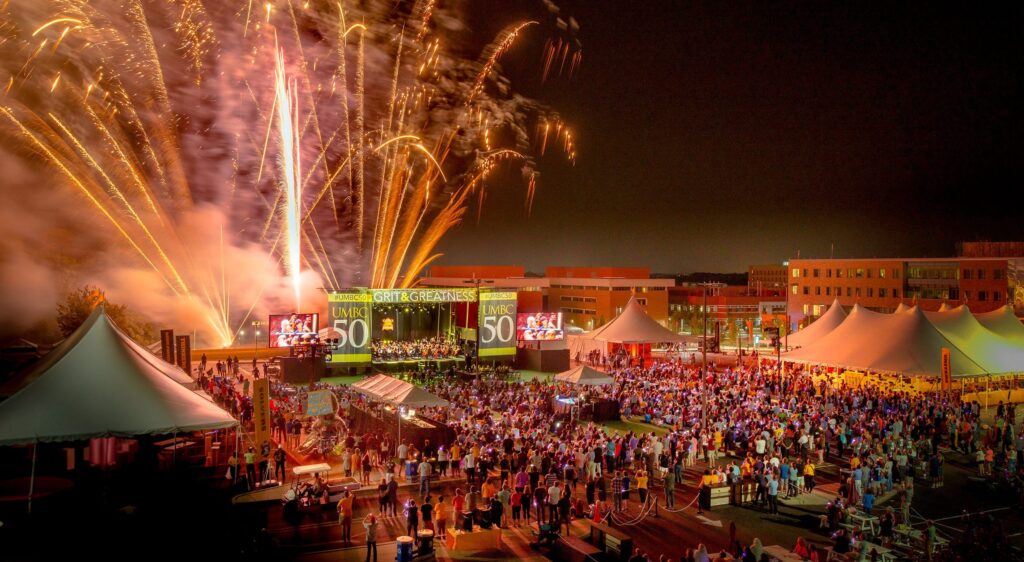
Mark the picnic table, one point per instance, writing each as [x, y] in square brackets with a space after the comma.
[865, 522]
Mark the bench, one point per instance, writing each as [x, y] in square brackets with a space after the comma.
[574, 549]
[618, 545]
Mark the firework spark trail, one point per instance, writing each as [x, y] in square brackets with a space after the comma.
[507, 40]
[407, 196]
[287, 122]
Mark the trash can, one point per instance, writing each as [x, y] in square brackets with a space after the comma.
[467, 521]
[404, 545]
[425, 541]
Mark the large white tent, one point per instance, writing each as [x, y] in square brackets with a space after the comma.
[584, 375]
[1004, 322]
[833, 317]
[99, 383]
[397, 392]
[904, 343]
[633, 325]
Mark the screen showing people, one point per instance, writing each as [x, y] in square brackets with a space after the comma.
[288, 330]
[539, 326]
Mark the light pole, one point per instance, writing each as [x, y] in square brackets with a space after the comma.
[255, 339]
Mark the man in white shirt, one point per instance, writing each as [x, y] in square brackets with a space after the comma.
[554, 494]
[469, 465]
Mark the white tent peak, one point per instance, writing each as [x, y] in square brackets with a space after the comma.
[99, 383]
[586, 375]
[833, 317]
[633, 325]
[901, 308]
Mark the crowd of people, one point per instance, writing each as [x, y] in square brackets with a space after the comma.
[427, 348]
[518, 458]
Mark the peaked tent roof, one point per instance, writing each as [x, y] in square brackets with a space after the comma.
[829, 321]
[1003, 322]
[398, 392]
[995, 353]
[944, 307]
[584, 375]
[903, 343]
[633, 325]
[901, 308]
[99, 383]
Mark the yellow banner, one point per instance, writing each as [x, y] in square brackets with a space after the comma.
[947, 370]
[261, 413]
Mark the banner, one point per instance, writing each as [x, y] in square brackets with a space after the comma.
[947, 370]
[183, 351]
[404, 296]
[320, 403]
[349, 314]
[261, 412]
[167, 345]
[497, 323]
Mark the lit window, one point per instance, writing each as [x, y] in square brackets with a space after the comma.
[795, 290]
[881, 272]
[796, 272]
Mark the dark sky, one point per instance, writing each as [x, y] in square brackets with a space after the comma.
[716, 135]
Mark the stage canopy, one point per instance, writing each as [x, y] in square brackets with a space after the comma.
[829, 321]
[584, 375]
[633, 325]
[99, 383]
[911, 342]
[397, 392]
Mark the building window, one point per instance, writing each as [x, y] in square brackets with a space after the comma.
[839, 272]
[807, 290]
[859, 273]
[817, 291]
[997, 274]
[981, 274]
[881, 291]
[807, 309]
[982, 296]
[967, 295]
[794, 289]
[895, 273]
[881, 273]
[805, 272]
[828, 291]
[856, 292]
[817, 272]
[967, 274]
[849, 292]
[796, 273]
[995, 296]
[871, 291]
[828, 273]
[895, 293]
[868, 273]
[839, 291]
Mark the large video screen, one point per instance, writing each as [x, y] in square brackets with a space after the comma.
[287, 330]
[539, 326]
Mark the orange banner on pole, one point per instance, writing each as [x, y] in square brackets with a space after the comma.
[947, 370]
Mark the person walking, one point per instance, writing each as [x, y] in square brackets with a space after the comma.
[279, 458]
[670, 489]
[370, 524]
[424, 471]
[345, 517]
[773, 495]
[412, 516]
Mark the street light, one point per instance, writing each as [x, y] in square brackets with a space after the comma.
[255, 339]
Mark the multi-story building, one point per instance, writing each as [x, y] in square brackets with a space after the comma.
[983, 283]
[588, 297]
[531, 289]
[766, 278]
[739, 312]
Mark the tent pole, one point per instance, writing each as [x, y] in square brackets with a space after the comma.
[32, 478]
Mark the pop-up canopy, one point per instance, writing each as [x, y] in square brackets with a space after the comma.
[584, 375]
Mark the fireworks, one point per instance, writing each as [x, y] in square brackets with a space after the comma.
[348, 160]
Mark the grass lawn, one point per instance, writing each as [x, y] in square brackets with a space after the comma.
[637, 427]
[528, 376]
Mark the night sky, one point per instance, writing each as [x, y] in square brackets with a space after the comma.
[713, 136]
